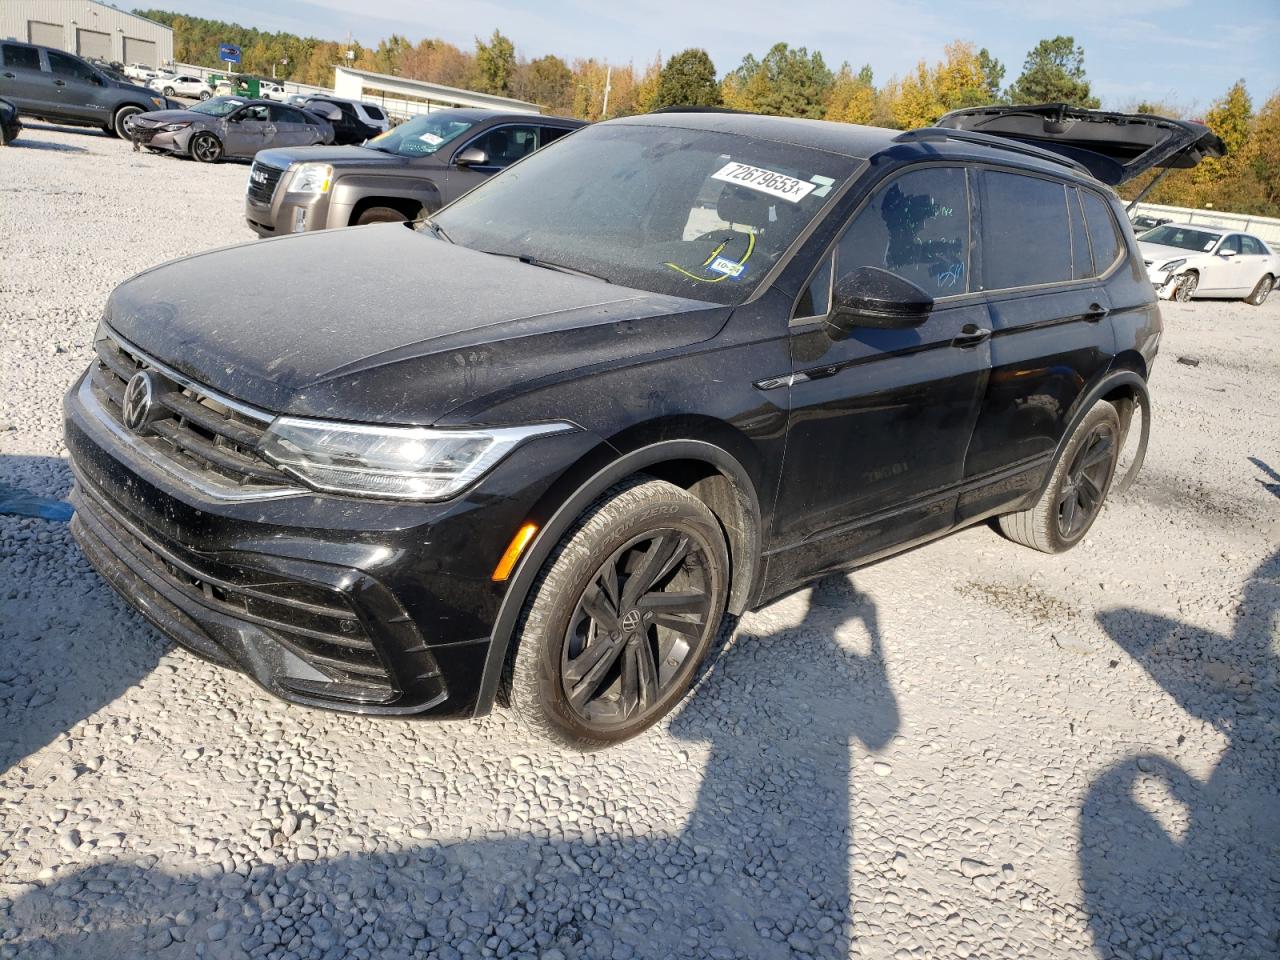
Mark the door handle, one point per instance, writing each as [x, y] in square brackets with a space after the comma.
[59, 83]
[9, 76]
[970, 335]
[1096, 312]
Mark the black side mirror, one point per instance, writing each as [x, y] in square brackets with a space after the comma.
[472, 156]
[871, 297]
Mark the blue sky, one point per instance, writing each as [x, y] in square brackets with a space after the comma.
[1184, 51]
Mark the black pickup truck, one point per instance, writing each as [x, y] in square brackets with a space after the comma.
[407, 172]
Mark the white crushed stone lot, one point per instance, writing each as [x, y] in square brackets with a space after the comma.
[972, 750]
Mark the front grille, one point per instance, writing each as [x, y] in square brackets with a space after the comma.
[201, 432]
[263, 179]
[143, 134]
[314, 621]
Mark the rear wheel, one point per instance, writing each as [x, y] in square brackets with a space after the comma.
[1186, 288]
[204, 94]
[120, 125]
[621, 616]
[206, 148]
[380, 215]
[1079, 485]
[1261, 291]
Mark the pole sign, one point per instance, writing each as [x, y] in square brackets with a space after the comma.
[229, 53]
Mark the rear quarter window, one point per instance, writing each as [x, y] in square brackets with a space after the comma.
[374, 112]
[1026, 237]
[1104, 236]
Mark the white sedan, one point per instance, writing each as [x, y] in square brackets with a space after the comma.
[1186, 261]
[182, 85]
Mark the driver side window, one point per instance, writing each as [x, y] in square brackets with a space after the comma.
[256, 112]
[916, 226]
[1231, 244]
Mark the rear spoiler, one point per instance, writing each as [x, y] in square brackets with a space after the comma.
[1113, 147]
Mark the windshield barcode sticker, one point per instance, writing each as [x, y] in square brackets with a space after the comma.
[766, 181]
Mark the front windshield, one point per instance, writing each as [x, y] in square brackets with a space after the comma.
[1170, 235]
[689, 213]
[422, 135]
[218, 106]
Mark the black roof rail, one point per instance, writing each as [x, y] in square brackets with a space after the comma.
[926, 134]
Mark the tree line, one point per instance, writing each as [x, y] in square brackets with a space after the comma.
[785, 81]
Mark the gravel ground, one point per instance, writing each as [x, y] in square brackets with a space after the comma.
[972, 750]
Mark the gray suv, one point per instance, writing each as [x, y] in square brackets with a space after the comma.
[55, 85]
[409, 171]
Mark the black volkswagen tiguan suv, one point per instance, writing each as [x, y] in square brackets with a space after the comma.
[670, 367]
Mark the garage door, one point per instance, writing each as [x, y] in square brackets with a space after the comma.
[45, 34]
[140, 51]
[91, 43]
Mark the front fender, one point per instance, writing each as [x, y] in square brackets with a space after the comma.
[350, 190]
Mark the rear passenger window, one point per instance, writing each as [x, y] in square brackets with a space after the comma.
[23, 58]
[1081, 261]
[1026, 237]
[1103, 236]
[550, 134]
[1251, 247]
[916, 227]
[374, 112]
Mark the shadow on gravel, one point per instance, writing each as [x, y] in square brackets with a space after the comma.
[1175, 867]
[25, 142]
[1273, 487]
[68, 644]
[759, 872]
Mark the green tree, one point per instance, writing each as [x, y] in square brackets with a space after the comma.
[495, 64]
[1053, 73]
[788, 82]
[992, 74]
[688, 79]
[547, 81]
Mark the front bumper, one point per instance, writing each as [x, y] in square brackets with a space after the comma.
[284, 212]
[356, 605]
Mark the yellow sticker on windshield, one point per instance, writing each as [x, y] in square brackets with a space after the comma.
[766, 181]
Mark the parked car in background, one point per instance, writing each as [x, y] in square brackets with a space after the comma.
[671, 367]
[1143, 221]
[51, 84]
[225, 128]
[349, 125]
[370, 114]
[400, 175]
[10, 126]
[1187, 261]
[298, 99]
[182, 85]
[140, 71]
[270, 90]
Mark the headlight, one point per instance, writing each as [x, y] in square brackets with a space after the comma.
[311, 178]
[171, 127]
[1172, 265]
[401, 463]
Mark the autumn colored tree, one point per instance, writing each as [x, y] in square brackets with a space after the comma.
[961, 79]
[1053, 73]
[437, 61]
[547, 81]
[688, 79]
[853, 96]
[788, 82]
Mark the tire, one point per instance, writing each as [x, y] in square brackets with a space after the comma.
[205, 94]
[1186, 288]
[118, 122]
[1081, 481]
[168, 91]
[1261, 291]
[564, 693]
[205, 148]
[380, 215]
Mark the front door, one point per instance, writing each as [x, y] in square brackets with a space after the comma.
[502, 146]
[880, 419]
[79, 90]
[248, 130]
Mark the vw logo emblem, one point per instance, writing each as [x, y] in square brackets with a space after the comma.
[139, 394]
[631, 621]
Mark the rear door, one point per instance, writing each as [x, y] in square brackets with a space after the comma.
[22, 81]
[1044, 246]
[81, 93]
[1256, 259]
[291, 127]
[880, 419]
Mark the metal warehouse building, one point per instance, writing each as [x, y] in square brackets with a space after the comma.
[88, 28]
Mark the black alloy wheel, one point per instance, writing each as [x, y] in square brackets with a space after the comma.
[206, 148]
[1081, 495]
[634, 628]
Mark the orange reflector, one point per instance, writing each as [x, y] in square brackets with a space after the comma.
[512, 556]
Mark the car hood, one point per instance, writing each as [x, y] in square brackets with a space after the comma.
[1160, 253]
[348, 156]
[173, 116]
[132, 87]
[386, 324]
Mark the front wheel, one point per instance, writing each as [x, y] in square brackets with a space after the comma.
[1186, 288]
[621, 616]
[124, 116]
[206, 148]
[168, 91]
[1079, 485]
[380, 215]
[1261, 291]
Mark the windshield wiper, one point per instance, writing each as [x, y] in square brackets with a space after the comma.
[548, 265]
[436, 229]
